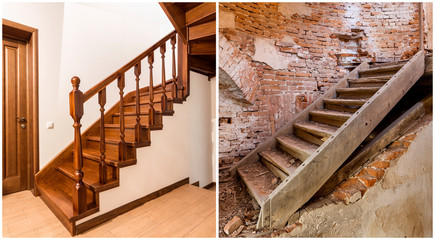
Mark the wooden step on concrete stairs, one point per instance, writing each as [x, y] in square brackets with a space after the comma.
[70, 184]
[284, 172]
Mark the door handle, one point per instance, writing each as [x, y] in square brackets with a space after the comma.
[21, 119]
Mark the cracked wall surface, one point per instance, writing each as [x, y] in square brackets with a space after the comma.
[283, 56]
[393, 199]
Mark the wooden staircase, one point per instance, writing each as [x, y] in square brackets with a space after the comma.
[284, 172]
[70, 184]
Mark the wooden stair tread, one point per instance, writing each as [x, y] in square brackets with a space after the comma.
[377, 78]
[111, 157]
[296, 147]
[133, 103]
[134, 113]
[280, 159]
[90, 174]
[58, 189]
[332, 114]
[109, 140]
[357, 90]
[130, 126]
[389, 68]
[346, 102]
[316, 128]
[259, 180]
[369, 80]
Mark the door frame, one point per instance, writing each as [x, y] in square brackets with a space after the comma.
[30, 36]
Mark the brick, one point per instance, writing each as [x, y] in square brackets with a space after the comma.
[314, 62]
[380, 164]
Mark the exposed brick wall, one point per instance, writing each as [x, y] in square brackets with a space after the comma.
[282, 57]
[354, 188]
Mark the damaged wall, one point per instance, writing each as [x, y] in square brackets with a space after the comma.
[398, 203]
[283, 56]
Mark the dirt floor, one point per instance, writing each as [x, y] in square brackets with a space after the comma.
[234, 200]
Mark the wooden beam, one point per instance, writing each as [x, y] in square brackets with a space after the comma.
[202, 30]
[200, 12]
[318, 168]
[389, 134]
[203, 48]
[177, 17]
[202, 66]
[420, 25]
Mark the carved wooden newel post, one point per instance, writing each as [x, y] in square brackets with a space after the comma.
[174, 73]
[164, 101]
[102, 166]
[151, 90]
[76, 101]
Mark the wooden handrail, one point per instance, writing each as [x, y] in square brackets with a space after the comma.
[94, 90]
[77, 100]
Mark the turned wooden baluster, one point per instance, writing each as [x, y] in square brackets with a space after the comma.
[151, 90]
[76, 101]
[164, 101]
[102, 165]
[122, 146]
[137, 72]
[174, 73]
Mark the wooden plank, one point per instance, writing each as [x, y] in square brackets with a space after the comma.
[296, 147]
[317, 169]
[280, 159]
[381, 140]
[177, 17]
[276, 171]
[258, 180]
[304, 115]
[202, 30]
[203, 48]
[202, 11]
[202, 66]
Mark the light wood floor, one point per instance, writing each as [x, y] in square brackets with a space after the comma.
[187, 211]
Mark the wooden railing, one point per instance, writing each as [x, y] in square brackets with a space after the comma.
[77, 100]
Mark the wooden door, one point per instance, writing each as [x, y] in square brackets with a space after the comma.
[15, 149]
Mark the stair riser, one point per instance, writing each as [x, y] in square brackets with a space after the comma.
[157, 97]
[144, 119]
[309, 137]
[276, 171]
[377, 74]
[294, 152]
[111, 172]
[355, 95]
[368, 84]
[145, 107]
[328, 120]
[341, 108]
[130, 134]
[131, 151]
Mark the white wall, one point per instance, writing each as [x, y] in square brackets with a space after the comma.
[89, 40]
[214, 114]
[48, 19]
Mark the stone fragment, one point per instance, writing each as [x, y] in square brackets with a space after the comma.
[237, 232]
[233, 225]
[274, 181]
